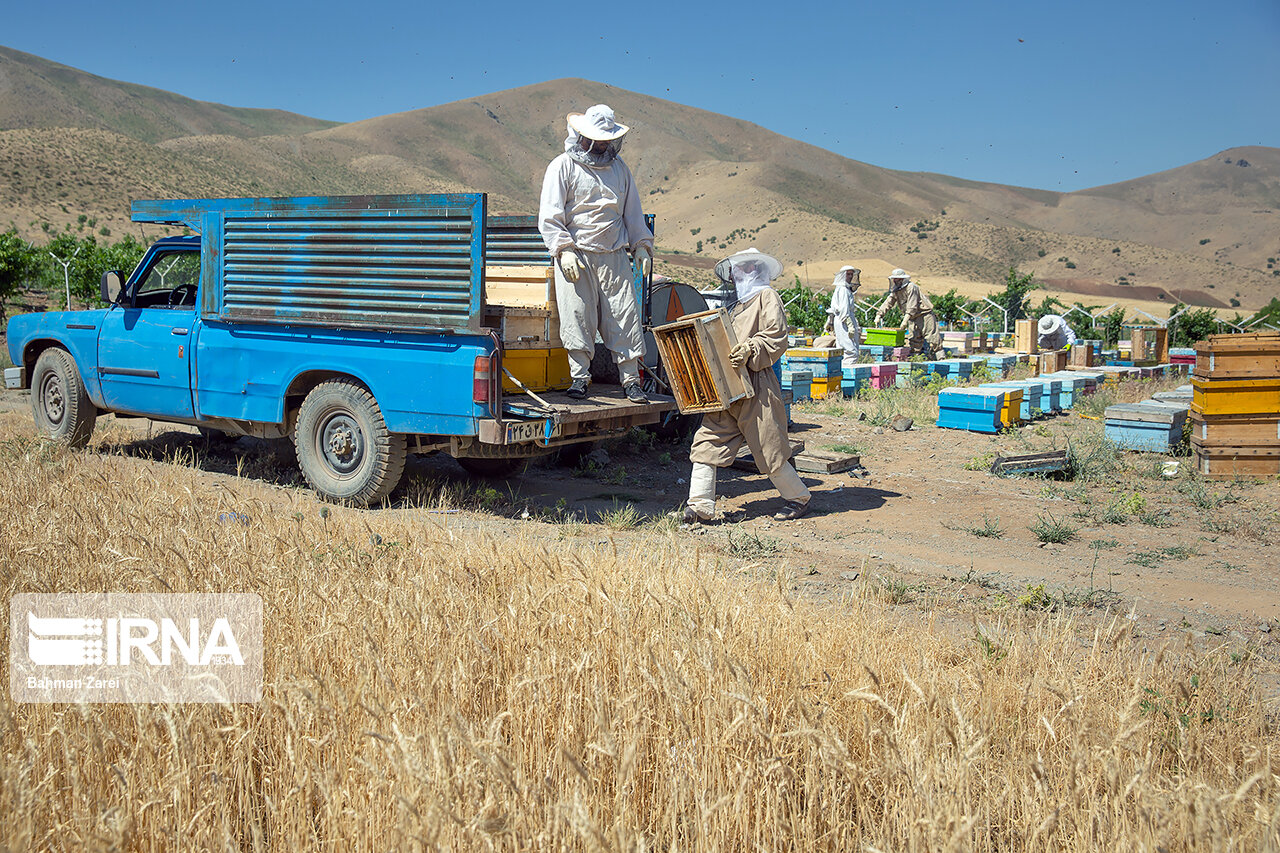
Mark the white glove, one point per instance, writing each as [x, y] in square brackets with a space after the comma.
[570, 265]
[738, 355]
[644, 260]
[879, 321]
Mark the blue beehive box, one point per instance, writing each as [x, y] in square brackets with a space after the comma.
[1001, 364]
[1150, 425]
[800, 382]
[974, 409]
[953, 368]
[857, 371]
[1069, 386]
[1031, 394]
[821, 368]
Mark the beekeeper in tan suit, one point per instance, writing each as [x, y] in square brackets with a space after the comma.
[917, 313]
[760, 325]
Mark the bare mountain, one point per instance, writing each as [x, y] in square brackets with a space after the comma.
[1202, 233]
[37, 93]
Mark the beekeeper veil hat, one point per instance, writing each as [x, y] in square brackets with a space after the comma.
[749, 271]
[1049, 324]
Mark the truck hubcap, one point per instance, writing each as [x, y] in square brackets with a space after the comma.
[54, 402]
[341, 445]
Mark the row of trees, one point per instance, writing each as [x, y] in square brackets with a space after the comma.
[68, 262]
[808, 310]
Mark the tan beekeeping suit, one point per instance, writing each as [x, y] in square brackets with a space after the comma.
[917, 316]
[760, 421]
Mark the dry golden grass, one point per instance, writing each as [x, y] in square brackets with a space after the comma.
[450, 681]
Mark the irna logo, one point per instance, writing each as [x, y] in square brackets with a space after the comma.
[72, 641]
[146, 647]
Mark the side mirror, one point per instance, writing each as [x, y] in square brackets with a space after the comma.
[112, 286]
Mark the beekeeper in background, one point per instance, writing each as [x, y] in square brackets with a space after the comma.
[841, 317]
[1054, 332]
[760, 325]
[917, 313]
[589, 215]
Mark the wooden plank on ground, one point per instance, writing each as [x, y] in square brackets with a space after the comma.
[1030, 463]
[746, 462]
[824, 462]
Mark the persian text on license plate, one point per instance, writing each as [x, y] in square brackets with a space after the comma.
[524, 431]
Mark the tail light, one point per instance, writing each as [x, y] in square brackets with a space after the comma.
[482, 379]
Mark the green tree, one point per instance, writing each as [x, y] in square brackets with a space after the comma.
[947, 307]
[77, 253]
[18, 265]
[1111, 325]
[1013, 299]
[805, 309]
[1188, 328]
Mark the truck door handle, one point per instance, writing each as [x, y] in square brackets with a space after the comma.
[179, 331]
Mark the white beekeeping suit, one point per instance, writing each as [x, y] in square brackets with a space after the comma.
[843, 318]
[590, 216]
[1054, 332]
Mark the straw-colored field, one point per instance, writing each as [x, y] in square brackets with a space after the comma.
[450, 680]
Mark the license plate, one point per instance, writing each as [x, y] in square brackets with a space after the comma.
[525, 431]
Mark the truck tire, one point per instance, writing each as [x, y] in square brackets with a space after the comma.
[498, 469]
[59, 401]
[344, 448]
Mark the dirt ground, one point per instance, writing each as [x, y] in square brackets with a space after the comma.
[1182, 558]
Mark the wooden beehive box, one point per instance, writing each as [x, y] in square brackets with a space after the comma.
[695, 353]
[1149, 344]
[1247, 356]
[1081, 355]
[1026, 336]
[520, 303]
[520, 286]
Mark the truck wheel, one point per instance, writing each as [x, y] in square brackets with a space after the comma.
[344, 449]
[59, 401]
[496, 468]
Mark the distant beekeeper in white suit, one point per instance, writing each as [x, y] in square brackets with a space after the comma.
[1054, 332]
[589, 216]
[841, 317]
[760, 325]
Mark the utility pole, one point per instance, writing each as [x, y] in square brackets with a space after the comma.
[66, 271]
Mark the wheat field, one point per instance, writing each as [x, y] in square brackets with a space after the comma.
[440, 680]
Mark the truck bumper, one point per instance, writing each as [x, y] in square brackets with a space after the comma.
[15, 378]
[606, 412]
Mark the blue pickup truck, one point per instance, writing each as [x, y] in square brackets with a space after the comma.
[352, 325]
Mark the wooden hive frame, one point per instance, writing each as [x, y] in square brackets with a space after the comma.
[695, 353]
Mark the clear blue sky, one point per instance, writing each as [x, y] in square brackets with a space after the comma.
[1052, 95]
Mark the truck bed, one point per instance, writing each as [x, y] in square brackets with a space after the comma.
[606, 408]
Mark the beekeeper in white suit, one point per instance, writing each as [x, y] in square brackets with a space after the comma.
[1054, 333]
[841, 317]
[760, 325]
[590, 216]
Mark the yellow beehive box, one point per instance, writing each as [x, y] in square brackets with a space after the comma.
[814, 352]
[1235, 396]
[537, 369]
[1011, 411]
[823, 387]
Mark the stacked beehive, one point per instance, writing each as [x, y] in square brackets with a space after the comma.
[958, 342]
[822, 362]
[1235, 408]
[520, 305]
